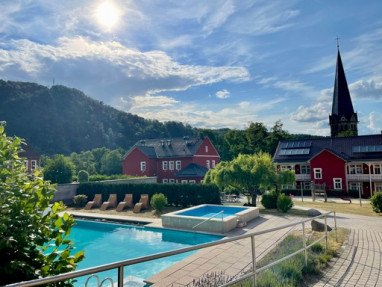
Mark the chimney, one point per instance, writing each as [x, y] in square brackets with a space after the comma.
[162, 142]
[186, 138]
[143, 142]
[169, 142]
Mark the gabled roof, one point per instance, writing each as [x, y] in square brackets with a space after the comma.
[357, 148]
[168, 148]
[192, 170]
[28, 152]
[342, 104]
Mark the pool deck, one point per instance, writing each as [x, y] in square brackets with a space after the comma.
[231, 258]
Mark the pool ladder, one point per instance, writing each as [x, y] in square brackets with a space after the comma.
[200, 223]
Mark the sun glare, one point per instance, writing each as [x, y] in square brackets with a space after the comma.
[107, 14]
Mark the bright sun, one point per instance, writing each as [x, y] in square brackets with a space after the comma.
[107, 14]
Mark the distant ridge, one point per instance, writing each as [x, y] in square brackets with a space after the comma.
[64, 120]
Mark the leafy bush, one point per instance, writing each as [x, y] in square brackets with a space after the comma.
[59, 169]
[376, 201]
[284, 203]
[33, 241]
[80, 200]
[269, 200]
[83, 176]
[158, 202]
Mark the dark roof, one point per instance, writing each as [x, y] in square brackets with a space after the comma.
[168, 148]
[28, 152]
[192, 170]
[357, 148]
[342, 104]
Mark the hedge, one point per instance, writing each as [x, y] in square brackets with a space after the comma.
[177, 194]
[329, 192]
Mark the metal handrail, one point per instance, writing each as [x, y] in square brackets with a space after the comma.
[200, 223]
[121, 264]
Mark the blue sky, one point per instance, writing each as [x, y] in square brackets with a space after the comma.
[210, 64]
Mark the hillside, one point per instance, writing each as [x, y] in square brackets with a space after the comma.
[64, 120]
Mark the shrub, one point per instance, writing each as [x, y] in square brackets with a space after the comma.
[158, 202]
[80, 200]
[376, 201]
[284, 203]
[83, 176]
[33, 241]
[269, 200]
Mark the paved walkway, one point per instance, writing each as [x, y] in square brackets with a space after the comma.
[360, 261]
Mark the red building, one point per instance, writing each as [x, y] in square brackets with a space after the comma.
[31, 158]
[177, 160]
[342, 163]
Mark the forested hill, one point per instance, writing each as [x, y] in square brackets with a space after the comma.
[64, 120]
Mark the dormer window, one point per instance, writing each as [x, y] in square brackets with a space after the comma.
[206, 148]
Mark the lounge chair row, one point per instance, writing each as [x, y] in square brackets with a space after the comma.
[112, 202]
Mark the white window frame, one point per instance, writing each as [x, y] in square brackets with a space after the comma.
[213, 163]
[165, 180]
[143, 166]
[317, 173]
[337, 183]
[164, 165]
[306, 185]
[355, 169]
[178, 165]
[172, 180]
[377, 169]
[206, 148]
[305, 169]
[208, 163]
[26, 164]
[171, 165]
[284, 167]
[33, 164]
[378, 187]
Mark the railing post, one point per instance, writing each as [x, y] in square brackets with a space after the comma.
[335, 225]
[304, 244]
[253, 259]
[120, 276]
[326, 234]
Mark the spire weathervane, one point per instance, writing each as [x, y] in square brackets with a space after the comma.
[338, 43]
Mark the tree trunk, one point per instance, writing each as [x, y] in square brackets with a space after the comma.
[254, 196]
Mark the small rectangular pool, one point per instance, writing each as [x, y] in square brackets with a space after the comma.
[194, 218]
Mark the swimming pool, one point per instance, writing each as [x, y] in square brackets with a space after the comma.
[194, 218]
[109, 242]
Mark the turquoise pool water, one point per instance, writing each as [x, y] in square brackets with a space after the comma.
[108, 242]
[210, 210]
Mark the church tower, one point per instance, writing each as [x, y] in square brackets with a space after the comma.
[343, 117]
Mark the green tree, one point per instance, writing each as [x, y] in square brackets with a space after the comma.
[83, 161]
[98, 153]
[33, 236]
[256, 134]
[276, 135]
[83, 176]
[247, 173]
[237, 143]
[59, 170]
[284, 177]
[347, 133]
[112, 163]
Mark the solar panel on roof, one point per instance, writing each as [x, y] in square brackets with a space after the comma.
[297, 151]
[367, 148]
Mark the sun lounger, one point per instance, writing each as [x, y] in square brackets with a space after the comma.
[96, 202]
[110, 203]
[127, 202]
[142, 204]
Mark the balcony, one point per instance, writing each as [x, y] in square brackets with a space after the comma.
[364, 177]
[302, 177]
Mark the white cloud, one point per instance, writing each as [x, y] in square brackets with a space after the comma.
[117, 70]
[223, 94]
[374, 122]
[366, 89]
[314, 113]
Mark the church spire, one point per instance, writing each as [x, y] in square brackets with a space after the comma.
[343, 117]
